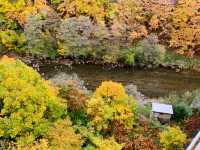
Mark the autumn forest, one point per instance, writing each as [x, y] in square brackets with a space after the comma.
[99, 74]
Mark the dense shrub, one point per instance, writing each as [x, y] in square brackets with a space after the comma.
[128, 57]
[181, 111]
[62, 136]
[128, 23]
[140, 136]
[150, 53]
[111, 91]
[76, 102]
[28, 103]
[98, 142]
[190, 98]
[7, 144]
[76, 99]
[192, 124]
[8, 6]
[110, 103]
[42, 144]
[143, 143]
[172, 139]
[12, 40]
[120, 133]
[98, 10]
[64, 80]
[39, 32]
[79, 37]
[11, 36]
[184, 104]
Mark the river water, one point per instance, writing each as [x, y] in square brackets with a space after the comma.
[152, 83]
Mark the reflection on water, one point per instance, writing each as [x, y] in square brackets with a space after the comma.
[152, 83]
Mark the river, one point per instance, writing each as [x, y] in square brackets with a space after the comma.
[152, 83]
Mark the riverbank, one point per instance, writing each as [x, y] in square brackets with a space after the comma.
[180, 62]
[171, 61]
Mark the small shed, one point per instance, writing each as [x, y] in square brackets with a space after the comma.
[162, 112]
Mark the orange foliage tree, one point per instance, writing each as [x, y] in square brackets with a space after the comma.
[185, 22]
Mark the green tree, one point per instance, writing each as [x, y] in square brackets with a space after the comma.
[79, 37]
[40, 34]
[149, 52]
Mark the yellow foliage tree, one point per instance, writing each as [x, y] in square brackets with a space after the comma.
[28, 104]
[22, 9]
[98, 142]
[111, 90]
[11, 40]
[96, 9]
[110, 103]
[185, 31]
[172, 139]
[7, 6]
[62, 136]
[128, 21]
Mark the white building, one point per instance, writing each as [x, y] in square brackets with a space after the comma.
[162, 112]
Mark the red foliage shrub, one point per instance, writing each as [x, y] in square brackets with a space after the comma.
[192, 124]
[141, 143]
[128, 138]
[119, 131]
[76, 98]
[144, 123]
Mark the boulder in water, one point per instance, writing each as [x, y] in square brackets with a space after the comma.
[62, 79]
[196, 104]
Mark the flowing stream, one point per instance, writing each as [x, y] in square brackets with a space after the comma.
[152, 83]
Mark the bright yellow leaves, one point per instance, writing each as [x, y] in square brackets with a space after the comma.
[21, 10]
[123, 114]
[100, 113]
[7, 6]
[11, 40]
[185, 30]
[172, 138]
[154, 22]
[110, 103]
[62, 136]
[30, 104]
[106, 144]
[96, 9]
[98, 142]
[13, 10]
[111, 90]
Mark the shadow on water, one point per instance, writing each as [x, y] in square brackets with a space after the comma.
[152, 83]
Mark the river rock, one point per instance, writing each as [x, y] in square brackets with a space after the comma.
[196, 104]
[132, 90]
[62, 79]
